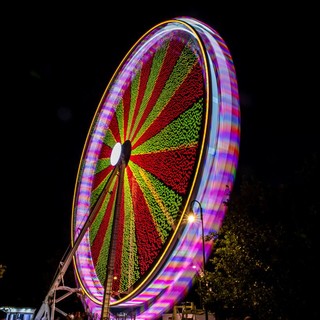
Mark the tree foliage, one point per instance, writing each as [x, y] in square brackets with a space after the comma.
[264, 257]
[3, 269]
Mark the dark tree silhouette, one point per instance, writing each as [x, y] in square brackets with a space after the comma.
[264, 260]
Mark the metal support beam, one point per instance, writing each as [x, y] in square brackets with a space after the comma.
[49, 301]
[105, 313]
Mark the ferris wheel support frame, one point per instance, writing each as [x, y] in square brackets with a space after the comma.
[105, 313]
[48, 307]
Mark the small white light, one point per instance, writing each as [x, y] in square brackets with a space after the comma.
[191, 218]
[115, 154]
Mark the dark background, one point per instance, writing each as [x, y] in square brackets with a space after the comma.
[56, 63]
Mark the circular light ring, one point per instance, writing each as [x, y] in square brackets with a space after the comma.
[214, 177]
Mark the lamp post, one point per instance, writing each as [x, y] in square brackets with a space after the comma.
[203, 250]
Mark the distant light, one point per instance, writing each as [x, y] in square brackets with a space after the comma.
[115, 154]
[64, 114]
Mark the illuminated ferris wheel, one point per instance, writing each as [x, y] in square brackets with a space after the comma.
[166, 132]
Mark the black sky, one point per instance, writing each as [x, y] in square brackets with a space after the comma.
[56, 63]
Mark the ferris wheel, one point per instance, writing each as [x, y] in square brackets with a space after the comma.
[165, 135]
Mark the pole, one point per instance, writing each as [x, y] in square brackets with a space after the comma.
[105, 312]
[203, 254]
[121, 164]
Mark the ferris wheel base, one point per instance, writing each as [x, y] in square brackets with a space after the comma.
[49, 306]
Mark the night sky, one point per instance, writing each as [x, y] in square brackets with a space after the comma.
[56, 63]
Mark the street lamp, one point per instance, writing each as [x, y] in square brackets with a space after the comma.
[203, 250]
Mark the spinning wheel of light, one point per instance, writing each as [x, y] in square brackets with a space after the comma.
[173, 105]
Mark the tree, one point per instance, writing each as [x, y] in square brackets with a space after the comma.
[3, 268]
[264, 256]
